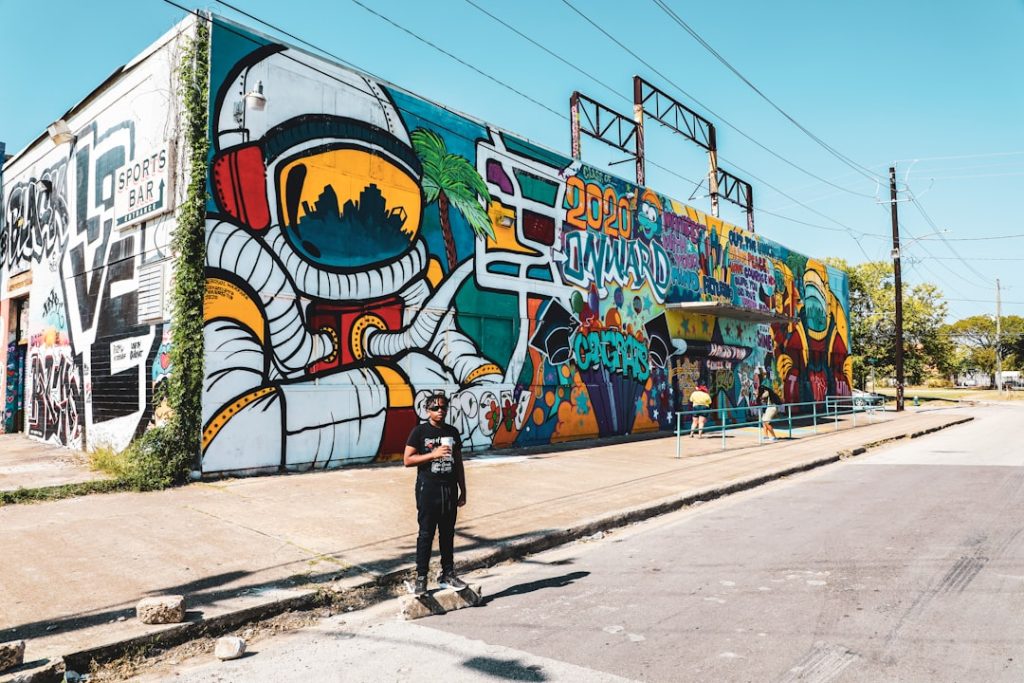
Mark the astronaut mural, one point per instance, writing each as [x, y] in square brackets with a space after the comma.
[325, 311]
[366, 248]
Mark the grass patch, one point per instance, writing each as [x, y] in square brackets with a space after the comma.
[145, 465]
[109, 461]
[47, 493]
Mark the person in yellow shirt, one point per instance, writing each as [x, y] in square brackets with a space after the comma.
[700, 399]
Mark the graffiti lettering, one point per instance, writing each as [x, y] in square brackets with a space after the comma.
[614, 350]
[724, 380]
[56, 391]
[759, 276]
[598, 258]
[53, 312]
[728, 352]
[35, 225]
[479, 414]
[591, 206]
[713, 287]
[693, 231]
[686, 280]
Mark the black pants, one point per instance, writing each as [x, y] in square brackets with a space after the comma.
[437, 507]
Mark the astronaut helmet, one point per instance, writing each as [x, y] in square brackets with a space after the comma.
[321, 154]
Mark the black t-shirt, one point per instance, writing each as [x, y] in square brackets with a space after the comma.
[426, 437]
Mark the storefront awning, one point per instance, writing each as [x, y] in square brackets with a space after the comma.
[726, 310]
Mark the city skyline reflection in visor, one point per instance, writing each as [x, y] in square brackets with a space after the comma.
[348, 207]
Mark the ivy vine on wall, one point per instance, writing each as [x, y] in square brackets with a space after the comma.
[166, 455]
[189, 249]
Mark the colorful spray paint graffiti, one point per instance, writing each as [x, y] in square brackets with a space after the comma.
[86, 367]
[806, 357]
[13, 389]
[55, 389]
[366, 248]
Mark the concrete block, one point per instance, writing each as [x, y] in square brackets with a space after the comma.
[50, 671]
[229, 647]
[165, 609]
[12, 654]
[439, 602]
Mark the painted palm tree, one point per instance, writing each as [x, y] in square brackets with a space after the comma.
[451, 180]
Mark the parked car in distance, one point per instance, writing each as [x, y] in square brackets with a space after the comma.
[865, 400]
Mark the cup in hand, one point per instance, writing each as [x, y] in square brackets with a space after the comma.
[450, 443]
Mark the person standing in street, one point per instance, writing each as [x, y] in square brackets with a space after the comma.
[767, 397]
[435, 449]
[700, 399]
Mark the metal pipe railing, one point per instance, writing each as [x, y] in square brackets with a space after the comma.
[836, 405]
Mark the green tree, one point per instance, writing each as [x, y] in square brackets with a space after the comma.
[976, 337]
[873, 323]
[451, 180]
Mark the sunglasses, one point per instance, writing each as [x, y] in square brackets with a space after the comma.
[443, 408]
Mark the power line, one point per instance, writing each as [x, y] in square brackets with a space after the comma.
[985, 301]
[829, 148]
[273, 26]
[970, 167]
[791, 198]
[964, 156]
[292, 36]
[794, 220]
[623, 97]
[554, 54]
[968, 176]
[916, 239]
[933, 275]
[972, 258]
[848, 229]
[493, 78]
[704, 106]
[457, 59]
[325, 74]
[935, 228]
[326, 52]
[975, 239]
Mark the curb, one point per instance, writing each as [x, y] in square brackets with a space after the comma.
[390, 583]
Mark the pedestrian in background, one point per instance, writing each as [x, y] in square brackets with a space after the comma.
[768, 398]
[700, 400]
[435, 449]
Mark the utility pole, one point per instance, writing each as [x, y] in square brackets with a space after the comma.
[999, 350]
[899, 290]
[638, 116]
[713, 169]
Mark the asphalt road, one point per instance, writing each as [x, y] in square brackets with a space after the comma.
[905, 564]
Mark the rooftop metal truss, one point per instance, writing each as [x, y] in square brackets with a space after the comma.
[673, 114]
[738, 192]
[607, 125]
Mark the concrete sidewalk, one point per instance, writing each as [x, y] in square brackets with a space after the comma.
[244, 548]
[27, 463]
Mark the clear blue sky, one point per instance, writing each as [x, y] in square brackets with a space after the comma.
[880, 81]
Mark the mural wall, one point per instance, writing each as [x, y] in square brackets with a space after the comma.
[83, 253]
[366, 248]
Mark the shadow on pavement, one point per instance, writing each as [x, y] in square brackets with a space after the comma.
[208, 591]
[509, 669]
[523, 588]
